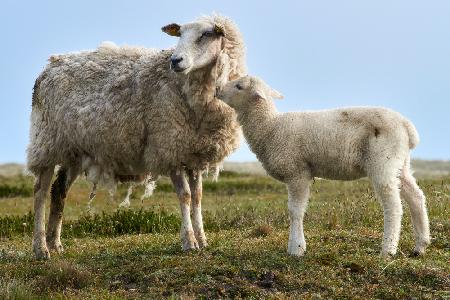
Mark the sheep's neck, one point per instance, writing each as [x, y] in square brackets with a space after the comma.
[200, 87]
[199, 91]
[257, 123]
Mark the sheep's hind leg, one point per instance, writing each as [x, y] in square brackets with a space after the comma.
[411, 192]
[64, 179]
[388, 194]
[150, 185]
[184, 195]
[195, 184]
[126, 202]
[298, 194]
[41, 187]
[92, 196]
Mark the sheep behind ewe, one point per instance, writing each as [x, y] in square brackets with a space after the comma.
[343, 144]
[135, 111]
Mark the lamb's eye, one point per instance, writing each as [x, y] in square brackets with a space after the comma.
[238, 86]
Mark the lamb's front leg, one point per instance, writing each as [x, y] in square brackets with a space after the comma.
[195, 183]
[184, 195]
[298, 194]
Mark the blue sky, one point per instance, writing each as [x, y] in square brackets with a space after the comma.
[319, 54]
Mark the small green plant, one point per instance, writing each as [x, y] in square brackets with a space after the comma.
[61, 275]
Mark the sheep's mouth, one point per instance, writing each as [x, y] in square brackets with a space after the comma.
[178, 69]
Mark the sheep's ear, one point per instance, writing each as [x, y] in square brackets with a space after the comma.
[276, 94]
[172, 29]
[219, 30]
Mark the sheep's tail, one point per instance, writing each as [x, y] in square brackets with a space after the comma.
[412, 133]
[36, 99]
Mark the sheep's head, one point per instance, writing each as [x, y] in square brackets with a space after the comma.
[199, 45]
[246, 92]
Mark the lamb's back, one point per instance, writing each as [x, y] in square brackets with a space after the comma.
[335, 143]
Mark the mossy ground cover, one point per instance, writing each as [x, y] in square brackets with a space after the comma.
[136, 253]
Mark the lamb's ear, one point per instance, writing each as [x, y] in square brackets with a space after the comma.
[275, 94]
[172, 29]
[259, 95]
[219, 30]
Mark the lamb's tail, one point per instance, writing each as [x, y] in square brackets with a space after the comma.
[412, 133]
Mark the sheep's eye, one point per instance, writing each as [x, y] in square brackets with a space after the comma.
[207, 34]
[238, 86]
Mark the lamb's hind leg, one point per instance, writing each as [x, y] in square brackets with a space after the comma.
[64, 179]
[388, 193]
[195, 183]
[411, 192]
[184, 195]
[298, 194]
[41, 186]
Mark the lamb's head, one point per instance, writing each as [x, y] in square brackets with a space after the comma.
[245, 92]
[201, 44]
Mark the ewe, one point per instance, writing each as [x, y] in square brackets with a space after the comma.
[133, 112]
[343, 144]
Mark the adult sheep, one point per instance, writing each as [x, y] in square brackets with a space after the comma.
[135, 111]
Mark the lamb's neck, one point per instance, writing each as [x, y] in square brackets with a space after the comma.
[257, 123]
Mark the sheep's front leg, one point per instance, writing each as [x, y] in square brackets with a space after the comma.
[41, 187]
[195, 183]
[298, 194]
[184, 195]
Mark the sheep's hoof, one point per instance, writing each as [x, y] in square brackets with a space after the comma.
[41, 252]
[190, 247]
[202, 243]
[55, 246]
[189, 241]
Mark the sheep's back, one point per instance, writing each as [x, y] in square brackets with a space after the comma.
[85, 104]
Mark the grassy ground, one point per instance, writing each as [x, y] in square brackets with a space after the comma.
[136, 253]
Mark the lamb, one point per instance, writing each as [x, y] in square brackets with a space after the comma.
[135, 111]
[342, 144]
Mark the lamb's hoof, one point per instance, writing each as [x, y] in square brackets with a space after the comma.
[296, 250]
[189, 242]
[388, 255]
[420, 248]
[55, 246]
[415, 254]
[418, 251]
[41, 252]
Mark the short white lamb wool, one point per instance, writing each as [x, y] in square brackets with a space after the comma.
[342, 144]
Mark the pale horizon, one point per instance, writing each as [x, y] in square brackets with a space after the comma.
[320, 55]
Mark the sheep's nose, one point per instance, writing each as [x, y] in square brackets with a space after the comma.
[175, 61]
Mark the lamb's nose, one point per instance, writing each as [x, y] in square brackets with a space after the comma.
[175, 61]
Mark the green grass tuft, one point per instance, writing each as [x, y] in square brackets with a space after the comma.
[136, 253]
